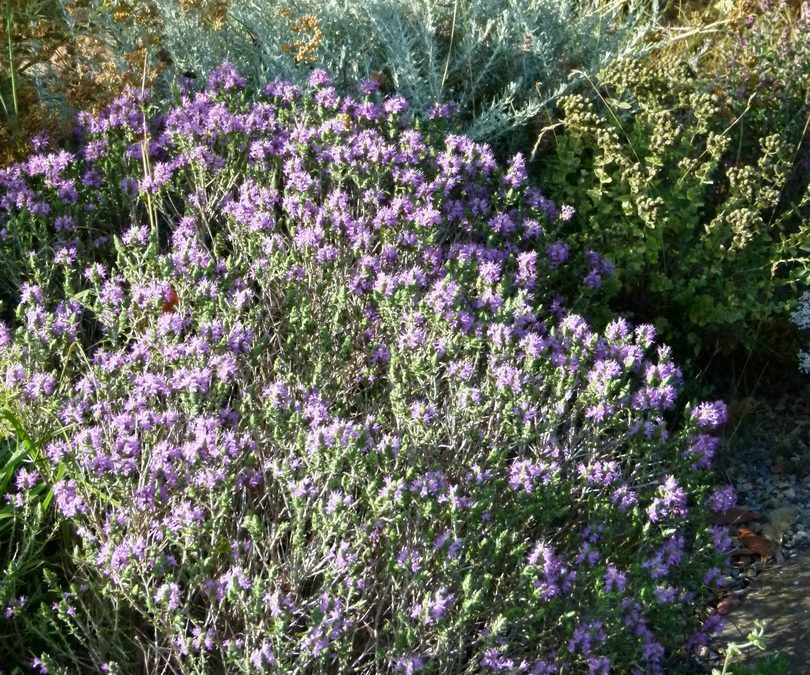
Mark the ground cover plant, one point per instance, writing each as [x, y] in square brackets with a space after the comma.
[311, 399]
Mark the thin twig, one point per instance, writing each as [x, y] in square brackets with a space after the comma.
[540, 137]
[449, 49]
[9, 27]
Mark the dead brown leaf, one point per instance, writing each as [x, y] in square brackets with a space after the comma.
[759, 545]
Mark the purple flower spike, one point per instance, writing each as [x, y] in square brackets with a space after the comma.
[722, 500]
[319, 78]
[368, 86]
[225, 78]
[557, 254]
[710, 415]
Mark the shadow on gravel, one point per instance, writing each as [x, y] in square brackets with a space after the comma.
[780, 596]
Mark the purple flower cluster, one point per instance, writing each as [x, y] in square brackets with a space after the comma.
[555, 579]
[598, 267]
[722, 499]
[670, 504]
[710, 415]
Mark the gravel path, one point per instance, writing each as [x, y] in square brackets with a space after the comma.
[767, 459]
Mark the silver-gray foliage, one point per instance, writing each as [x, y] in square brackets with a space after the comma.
[501, 61]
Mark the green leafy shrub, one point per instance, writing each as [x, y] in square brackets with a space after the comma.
[705, 219]
[322, 409]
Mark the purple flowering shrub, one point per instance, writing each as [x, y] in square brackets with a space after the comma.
[321, 407]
